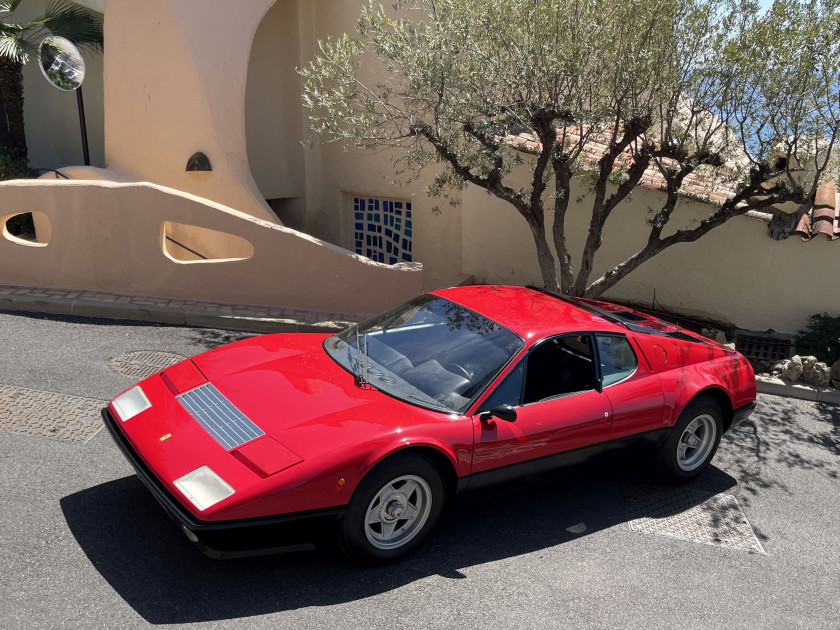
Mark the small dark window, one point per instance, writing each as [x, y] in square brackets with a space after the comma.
[618, 361]
[781, 163]
[509, 391]
[559, 366]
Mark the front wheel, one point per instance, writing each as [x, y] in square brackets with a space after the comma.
[692, 442]
[393, 509]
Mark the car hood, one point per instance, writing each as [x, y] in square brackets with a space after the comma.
[293, 391]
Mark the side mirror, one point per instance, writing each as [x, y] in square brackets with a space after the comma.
[502, 412]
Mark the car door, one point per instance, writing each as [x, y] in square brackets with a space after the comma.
[635, 393]
[558, 403]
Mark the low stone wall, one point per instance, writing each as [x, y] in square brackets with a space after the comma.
[111, 236]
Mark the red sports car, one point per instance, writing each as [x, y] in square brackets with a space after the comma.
[369, 433]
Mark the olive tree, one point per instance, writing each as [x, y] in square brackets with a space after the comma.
[675, 87]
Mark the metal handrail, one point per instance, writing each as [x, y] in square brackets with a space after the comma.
[192, 251]
[40, 171]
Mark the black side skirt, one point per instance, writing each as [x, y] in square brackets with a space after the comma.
[568, 462]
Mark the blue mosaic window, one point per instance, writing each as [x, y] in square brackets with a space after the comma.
[382, 229]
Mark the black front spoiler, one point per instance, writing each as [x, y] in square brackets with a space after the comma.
[236, 538]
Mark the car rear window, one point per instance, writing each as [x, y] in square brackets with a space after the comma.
[618, 361]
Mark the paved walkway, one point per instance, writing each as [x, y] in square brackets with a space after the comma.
[250, 317]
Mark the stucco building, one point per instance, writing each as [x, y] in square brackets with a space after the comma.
[276, 223]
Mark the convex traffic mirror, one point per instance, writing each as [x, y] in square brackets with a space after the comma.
[62, 63]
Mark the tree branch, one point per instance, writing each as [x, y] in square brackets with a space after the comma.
[505, 193]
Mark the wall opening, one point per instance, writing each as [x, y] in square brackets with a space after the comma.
[273, 124]
[28, 228]
[291, 211]
[193, 244]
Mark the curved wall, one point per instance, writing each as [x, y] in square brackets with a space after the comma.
[111, 237]
[175, 75]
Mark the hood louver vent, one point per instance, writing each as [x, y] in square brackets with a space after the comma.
[229, 426]
[682, 336]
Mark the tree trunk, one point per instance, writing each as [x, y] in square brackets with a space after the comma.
[11, 77]
[536, 222]
[561, 205]
[612, 277]
[657, 245]
[4, 123]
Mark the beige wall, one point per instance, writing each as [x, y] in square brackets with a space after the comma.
[333, 172]
[273, 105]
[175, 74]
[436, 237]
[108, 236]
[182, 76]
[175, 83]
[735, 273]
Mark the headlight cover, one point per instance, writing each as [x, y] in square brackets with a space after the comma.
[203, 487]
[131, 403]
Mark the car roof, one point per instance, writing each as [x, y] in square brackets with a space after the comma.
[530, 313]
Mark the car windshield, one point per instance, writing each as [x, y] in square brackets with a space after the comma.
[428, 352]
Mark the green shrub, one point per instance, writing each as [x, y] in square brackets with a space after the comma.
[821, 337]
[12, 166]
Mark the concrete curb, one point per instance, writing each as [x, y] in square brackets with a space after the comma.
[226, 318]
[803, 391]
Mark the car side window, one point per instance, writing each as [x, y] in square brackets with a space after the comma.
[618, 361]
[559, 366]
[509, 391]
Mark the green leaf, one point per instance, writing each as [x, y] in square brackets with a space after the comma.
[15, 48]
[69, 20]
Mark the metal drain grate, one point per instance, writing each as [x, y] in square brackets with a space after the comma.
[762, 348]
[45, 414]
[142, 364]
[692, 515]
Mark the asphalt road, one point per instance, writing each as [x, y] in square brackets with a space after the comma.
[83, 545]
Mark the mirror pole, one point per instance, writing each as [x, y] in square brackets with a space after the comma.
[81, 101]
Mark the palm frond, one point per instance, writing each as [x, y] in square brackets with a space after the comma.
[74, 22]
[9, 6]
[15, 48]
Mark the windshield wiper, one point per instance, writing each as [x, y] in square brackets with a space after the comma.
[361, 377]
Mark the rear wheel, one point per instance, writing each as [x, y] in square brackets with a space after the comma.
[393, 509]
[692, 442]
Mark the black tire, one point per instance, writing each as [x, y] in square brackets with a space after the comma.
[692, 442]
[409, 484]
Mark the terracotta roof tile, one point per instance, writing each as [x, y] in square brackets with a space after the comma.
[824, 218]
[825, 196]
[823, 222]
[698, 184]
[803, 227]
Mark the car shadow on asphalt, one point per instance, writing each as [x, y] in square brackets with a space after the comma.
[151, 565]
